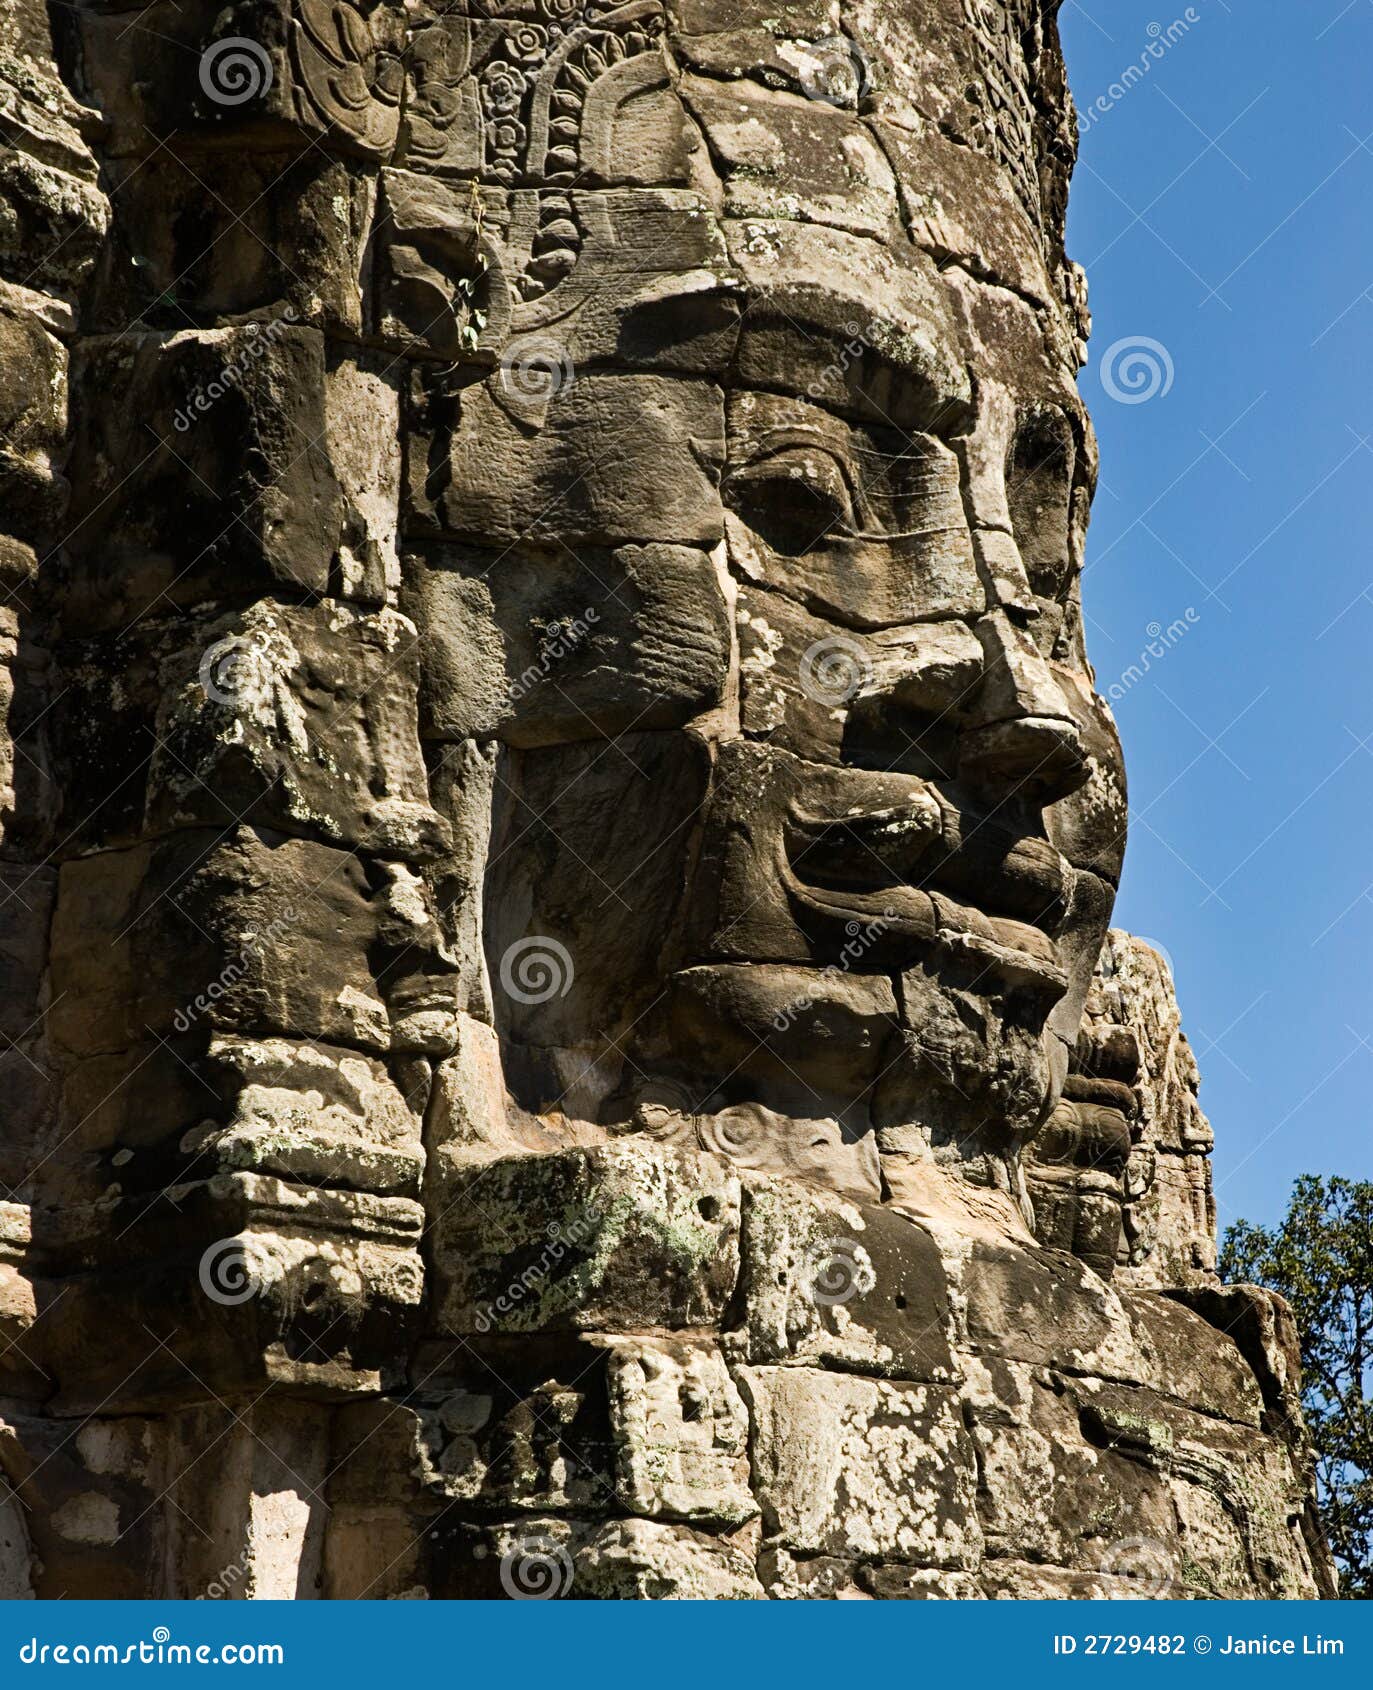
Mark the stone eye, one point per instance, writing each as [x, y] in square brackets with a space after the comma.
[794, 500]
[1039, 486]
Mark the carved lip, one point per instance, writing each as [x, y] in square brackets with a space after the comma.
[927, 844]
[909, 871]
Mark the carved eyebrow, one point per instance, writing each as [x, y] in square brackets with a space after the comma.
[941, 409]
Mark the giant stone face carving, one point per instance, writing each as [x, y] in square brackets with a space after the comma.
[560, 834]
[786, 504]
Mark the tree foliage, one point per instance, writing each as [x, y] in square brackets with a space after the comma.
[1321, 1260]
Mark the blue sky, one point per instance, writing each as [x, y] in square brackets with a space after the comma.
[1223, 209]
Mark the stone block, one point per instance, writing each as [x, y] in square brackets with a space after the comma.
[234, 1284]
[680, 1432]
[849, 1466]
[585, 460]
[221, 490]
[546, 649]
[841, 1285]
[267, 74]
[597, 1240]
[195, 931]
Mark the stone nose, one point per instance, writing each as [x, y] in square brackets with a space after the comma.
[1019, 738]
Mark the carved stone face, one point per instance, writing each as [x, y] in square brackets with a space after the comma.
[759, 550]
[542, 552]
